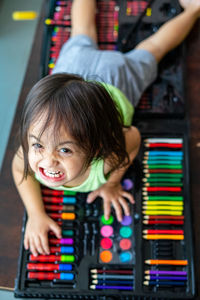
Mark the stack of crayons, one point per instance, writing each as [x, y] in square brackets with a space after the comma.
[163, 206]
[107, 24]
[60, 26]
[135, 8]
[145, 103]
[59, 264]
[111, 279]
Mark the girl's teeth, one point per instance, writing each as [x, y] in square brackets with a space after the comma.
[53, 174]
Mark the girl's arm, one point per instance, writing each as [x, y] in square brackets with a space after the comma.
[173, 32]
[111, 191]
[38, 223]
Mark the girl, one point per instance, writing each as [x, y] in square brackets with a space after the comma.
[72, 137]
[76, 134]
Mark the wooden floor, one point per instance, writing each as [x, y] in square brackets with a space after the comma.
[11, 212]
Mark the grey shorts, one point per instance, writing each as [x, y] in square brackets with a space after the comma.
[131, 72]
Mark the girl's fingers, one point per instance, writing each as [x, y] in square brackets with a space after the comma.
[118, 210]
[56, 229]
[125, 206]
[26, 243]
[107, 209]
[39, 246]
[92, 196]
[33, 248]
[45, 243]
[128, 196]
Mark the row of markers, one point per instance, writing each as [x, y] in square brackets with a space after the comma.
[106, 20]
[163, 208]
[59, 264]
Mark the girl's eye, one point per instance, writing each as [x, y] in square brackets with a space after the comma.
[37, 146]
[65, 150]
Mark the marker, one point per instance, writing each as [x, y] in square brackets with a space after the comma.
[50, 276]
[64, 200]
[166, 262]
[63, 241]
[52, 258]
[58, 192]
[60, 207]
[63, 216]
[49, 267]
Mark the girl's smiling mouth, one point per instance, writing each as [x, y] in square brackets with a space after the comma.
[52, 176]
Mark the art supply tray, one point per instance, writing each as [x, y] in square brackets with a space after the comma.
[95, 254]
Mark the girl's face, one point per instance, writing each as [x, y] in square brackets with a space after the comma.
[57, 161]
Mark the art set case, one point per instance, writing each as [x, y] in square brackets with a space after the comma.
[166, 117]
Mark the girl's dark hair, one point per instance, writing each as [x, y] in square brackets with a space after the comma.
[85, 109]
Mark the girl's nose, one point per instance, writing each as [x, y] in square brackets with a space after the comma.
[50, 161]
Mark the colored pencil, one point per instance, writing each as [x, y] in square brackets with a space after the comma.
[162, 212]
[166, 262]
[151, 277]
[162, 189]
[159, 175]
[162, 207]
[163, 184]
[157, 222]
[162, 145]
[105, 276]
[110, 282]
[167, 153]
[164, 283]
[164, 140]
[111, 271]
[152, 272]
[162, 231]
[104, 287]
[163, 166]
[163, 237]
[172, 203]
[163, 157]
[164, 217]
[163, 179]
[167, 198]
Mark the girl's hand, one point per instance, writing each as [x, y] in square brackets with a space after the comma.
[112, 193]
[191, 4]
[36, 234]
